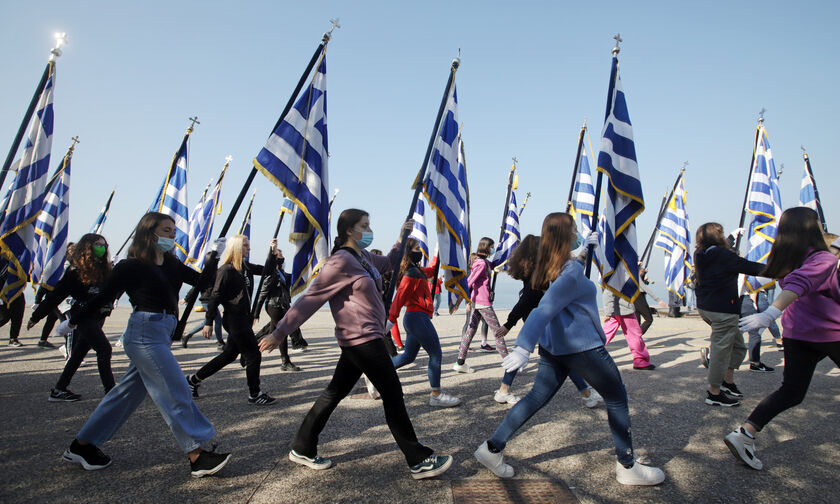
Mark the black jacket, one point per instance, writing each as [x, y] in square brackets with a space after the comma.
[275, 291]
[70, 285]
[234, 291]
[716, 271]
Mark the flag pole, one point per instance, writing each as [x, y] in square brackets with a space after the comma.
[661, 206]
[522, 208]
[662, 210]
[495, 274]
[749, 179]
[389, 292]
[816, 192]
[576, 166]
[192, 295]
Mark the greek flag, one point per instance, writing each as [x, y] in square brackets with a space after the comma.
[674, 237]
[295, 159]
[624, 201]
[103, 214]
[26, 196]
[445, 188]
[201, 223]
[419, 231]
[764, 205]
[511, 238]
[172, 199]
[51, 229]
[245, 229]
[583, 196]
[807, 194]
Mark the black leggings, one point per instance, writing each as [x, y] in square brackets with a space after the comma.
[239, 341]
[88, 334]
[372, 359]
[643, 312]
[16, 309]
[801, 359]
[49, 322]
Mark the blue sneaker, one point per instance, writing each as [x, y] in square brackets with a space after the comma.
[433, 466]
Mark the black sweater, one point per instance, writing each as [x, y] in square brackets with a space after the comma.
[275, 291]
[71, 285]
[528, 300]
[233, 290]
[716, 272]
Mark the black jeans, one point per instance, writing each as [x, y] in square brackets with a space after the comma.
[49, 322]
[372, 359]
[240, 340]
[801, 359]
[643, 312]
[16, 309]
[88, 334]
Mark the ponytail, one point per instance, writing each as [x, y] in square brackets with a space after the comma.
[346, 221]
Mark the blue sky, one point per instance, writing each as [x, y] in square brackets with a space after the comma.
[695, 76]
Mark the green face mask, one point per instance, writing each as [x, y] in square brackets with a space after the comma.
[99, 250]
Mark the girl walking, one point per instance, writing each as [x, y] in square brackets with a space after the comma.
[276, 297]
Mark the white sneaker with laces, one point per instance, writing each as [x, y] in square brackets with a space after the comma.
[443, 400]
[638, 475]
[493, 461]
[593, 400]
[505, 398]
[462, 368]
[743, 447]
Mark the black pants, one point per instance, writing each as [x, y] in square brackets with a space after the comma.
[643, 312]
[275, 315]
[801, 359]
[49, 323]
[16, 309]
[88, 334]
[240, 340]
[372, 359]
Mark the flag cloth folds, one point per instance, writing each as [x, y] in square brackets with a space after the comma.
[807, 195]
[511, 238]
[26, 196]
[172, 199]
[295, 159]
[445, 188]
[99, 223]
[583, 196]
[765, 207]
[201, 223]
[624, 200]
[674, 237]
[419, 232]
[51, 229]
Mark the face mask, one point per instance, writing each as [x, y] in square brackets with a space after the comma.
[99, 250]
[280, 263]
[416, 256]
[578, 241]
[367, 239]
[165, 244]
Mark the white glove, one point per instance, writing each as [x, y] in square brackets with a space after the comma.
[63, 328]
[737, 232]
[759, 321]
[218, 245]
[388, 326]
[516, 359]
[592, 239]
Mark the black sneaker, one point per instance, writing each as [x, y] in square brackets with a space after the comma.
[185, 339]
[704, 357]
[208, 463]
[288, 366]
[761, 368]
[649, 367]
[45, 344]
[721, 399]
[63, 396]
[262, 399]
[88, 455]
[731, 389]
[193, 386]
[431, 467]
[487, 348]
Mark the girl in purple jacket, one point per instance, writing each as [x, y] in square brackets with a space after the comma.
[810, 314]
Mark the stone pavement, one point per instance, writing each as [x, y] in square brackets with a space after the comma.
[565, 446]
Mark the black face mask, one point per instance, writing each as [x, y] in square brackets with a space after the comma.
[280, 263]
[416, 256]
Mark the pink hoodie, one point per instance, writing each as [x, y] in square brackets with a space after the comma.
[479, 282]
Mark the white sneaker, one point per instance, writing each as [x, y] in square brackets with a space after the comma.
[743, 447]
[371, 389]
[462, 368]
[63, 350]
[493, 461]
[502, 398]
[83, 364]
[443, 400]
[593, 400]
[638, 475]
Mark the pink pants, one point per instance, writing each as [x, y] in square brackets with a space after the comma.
[632, 333]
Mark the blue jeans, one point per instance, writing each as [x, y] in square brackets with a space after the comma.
[598, 369]
[421, 333]
[217, 327]
[153, 371]
[437, 301]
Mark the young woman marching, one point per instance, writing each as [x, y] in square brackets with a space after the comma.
[90, 267]
[277, 299]
[152, 277]
[415, 294]
[233, 289]
[716, 269]
[482, 309]
[810, 324]
[567, 327]
[350, 281]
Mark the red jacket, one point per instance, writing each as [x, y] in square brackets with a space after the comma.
[414, 292]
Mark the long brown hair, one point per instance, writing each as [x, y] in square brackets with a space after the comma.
[92, 270]
[406, 260]
[555, 248]
[143, 245]
[485, 247]
[799, 230]
[524, 258]
[346, 221]
[709, 234]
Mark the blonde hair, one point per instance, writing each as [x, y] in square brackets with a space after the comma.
[233, 252]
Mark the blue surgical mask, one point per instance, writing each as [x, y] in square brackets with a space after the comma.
[578, 241]
[367, 239]
[165, 244]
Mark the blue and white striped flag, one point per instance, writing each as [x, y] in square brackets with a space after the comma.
[51, 229]
[764, 205]
[445, 188]
[583, 196]
[624, 201]
[511, 238]
[103, 215]
[807, 194]
[419, 232]
[674, 237]
[172, 199]
[26, 195]
[201, 223]
[295, 159]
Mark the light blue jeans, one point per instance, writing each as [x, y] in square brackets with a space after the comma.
[153, 371]
[421, 333]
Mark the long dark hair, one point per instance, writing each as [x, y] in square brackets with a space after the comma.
[406, 260]
[799, 230]
[143, 245]
[92, 270]
[709, 234]
[524, 258]
[485, 247]
[555, 248]
[346, 221]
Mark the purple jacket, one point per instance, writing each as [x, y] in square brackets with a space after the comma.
[815, 315]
